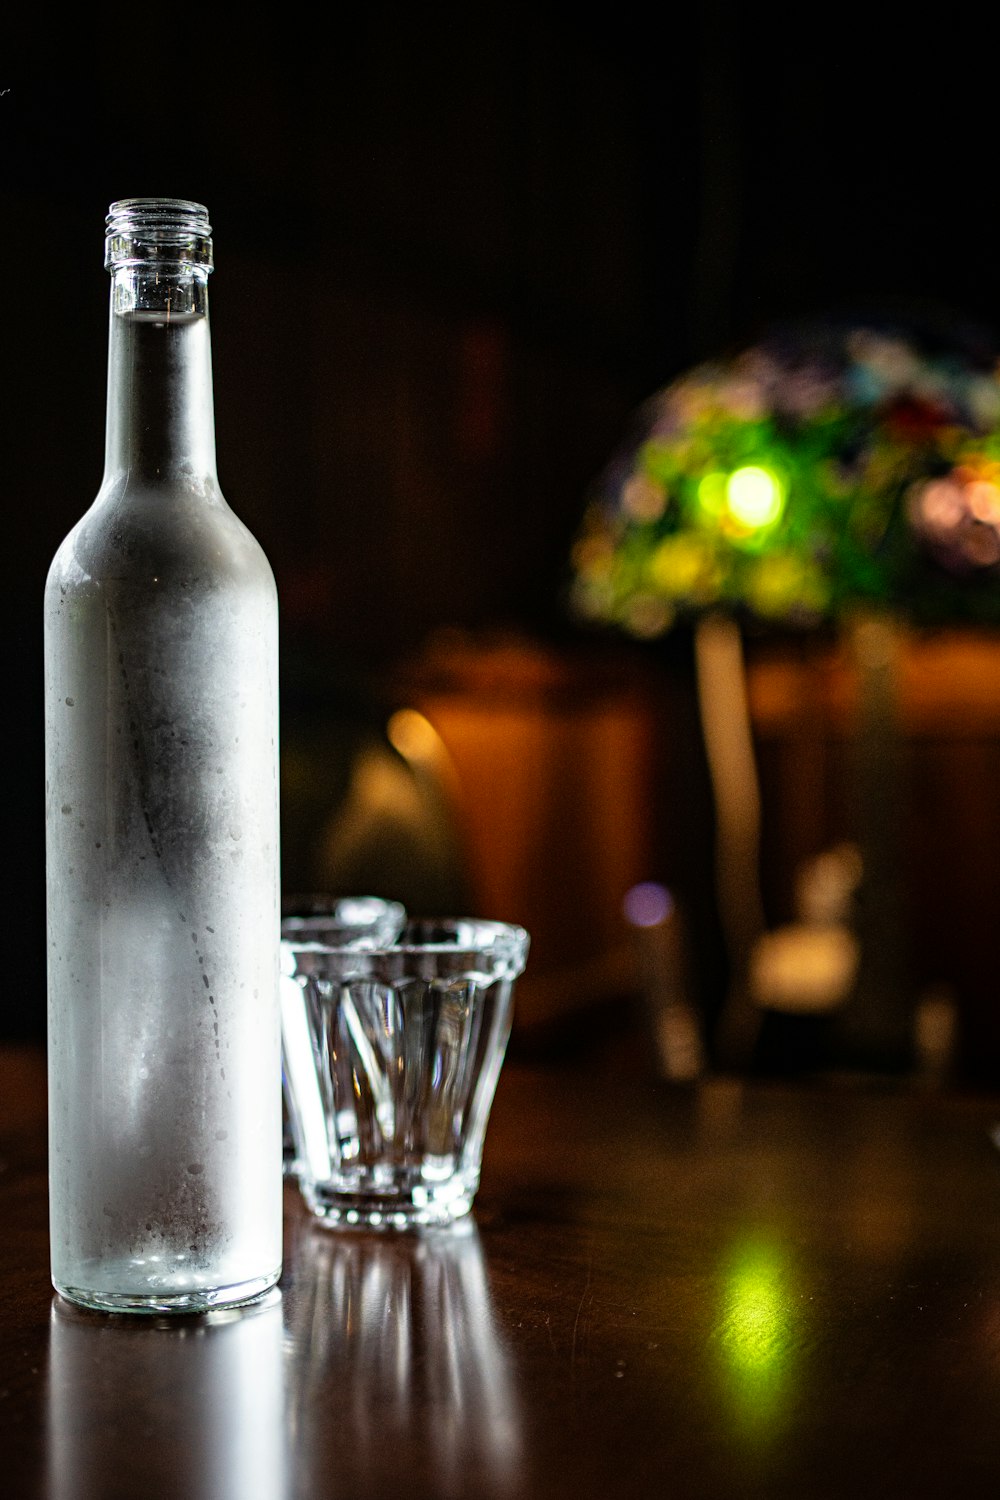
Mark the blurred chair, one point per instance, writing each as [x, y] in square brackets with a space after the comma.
[368, 803]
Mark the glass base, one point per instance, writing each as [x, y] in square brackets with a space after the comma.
[196, 1300]
[419, 1207]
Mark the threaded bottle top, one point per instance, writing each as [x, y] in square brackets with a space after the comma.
[158, 231]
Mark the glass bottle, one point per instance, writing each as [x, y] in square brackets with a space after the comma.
[162, 828]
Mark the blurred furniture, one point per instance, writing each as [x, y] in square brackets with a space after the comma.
[366, 804]
[804, 706]
[726, 1290]
[579, 773]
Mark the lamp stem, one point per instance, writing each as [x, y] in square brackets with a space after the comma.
[720, 670]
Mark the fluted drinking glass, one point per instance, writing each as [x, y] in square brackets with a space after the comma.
[406, 1043]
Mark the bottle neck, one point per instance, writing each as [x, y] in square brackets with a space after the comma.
[161, 424]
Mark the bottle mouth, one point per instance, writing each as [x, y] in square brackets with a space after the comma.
[157, 231]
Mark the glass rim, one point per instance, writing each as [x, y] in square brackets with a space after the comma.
[469, 935]
[351, 911]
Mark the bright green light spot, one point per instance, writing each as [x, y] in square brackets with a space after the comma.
[712, 493]
[755, 1326]
[753, 496]
[757, 1339]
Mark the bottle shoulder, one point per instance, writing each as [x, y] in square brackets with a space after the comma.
[183, 532]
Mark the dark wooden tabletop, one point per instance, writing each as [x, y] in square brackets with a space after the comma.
[746, 1289]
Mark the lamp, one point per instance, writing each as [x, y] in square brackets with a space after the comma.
[846, 471]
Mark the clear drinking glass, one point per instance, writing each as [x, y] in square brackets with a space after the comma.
[313, 923]
[405, 1043]
[339, 923]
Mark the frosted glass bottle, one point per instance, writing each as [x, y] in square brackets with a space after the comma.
[162, 828]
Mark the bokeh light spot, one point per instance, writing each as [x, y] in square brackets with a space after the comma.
[647, 904]
[712, 493]
[754, 496]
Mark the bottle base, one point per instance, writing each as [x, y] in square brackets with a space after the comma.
[157, 1302]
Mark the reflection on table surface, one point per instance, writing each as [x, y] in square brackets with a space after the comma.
[193, 1408]
[400, 1333]
[390, 1351]
[710, 1291]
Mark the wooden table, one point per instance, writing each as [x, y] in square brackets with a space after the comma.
[740, 1290]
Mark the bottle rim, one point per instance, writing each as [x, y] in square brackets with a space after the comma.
[141, 231]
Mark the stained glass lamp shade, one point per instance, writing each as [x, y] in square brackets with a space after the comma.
[825, 466]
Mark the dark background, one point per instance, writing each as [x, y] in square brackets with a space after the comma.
[454, 250]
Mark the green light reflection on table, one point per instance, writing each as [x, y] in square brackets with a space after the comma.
[756, 1335]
